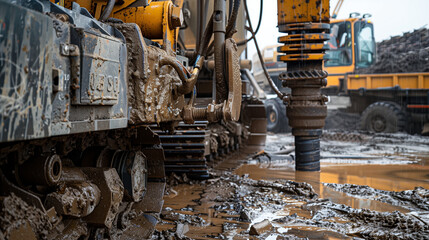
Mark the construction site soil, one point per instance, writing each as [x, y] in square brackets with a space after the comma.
[341, 119]
[371, 186]
[401, 54]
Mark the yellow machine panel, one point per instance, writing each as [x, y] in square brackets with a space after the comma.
[303, 11]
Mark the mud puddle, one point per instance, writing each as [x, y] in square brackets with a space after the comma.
[370, 187]
[317, 180]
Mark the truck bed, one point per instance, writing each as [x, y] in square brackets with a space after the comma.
[388, 80]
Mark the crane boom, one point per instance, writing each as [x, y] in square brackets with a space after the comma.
[337, 8]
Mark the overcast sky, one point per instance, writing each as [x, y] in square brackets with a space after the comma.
[390, 17]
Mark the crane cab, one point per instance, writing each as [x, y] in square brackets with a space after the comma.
[351, 47]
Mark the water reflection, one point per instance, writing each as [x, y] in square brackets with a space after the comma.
[383, 177]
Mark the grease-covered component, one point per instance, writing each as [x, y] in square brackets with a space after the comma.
[131, 167]
[44, 170]
[77, 200]
[112, 192]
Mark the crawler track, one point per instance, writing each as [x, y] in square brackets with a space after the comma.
[191, 148]
[186, 149]
[95, 194]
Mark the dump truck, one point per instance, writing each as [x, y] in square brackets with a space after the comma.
[351, 47]
[390, 102]
[390, 95]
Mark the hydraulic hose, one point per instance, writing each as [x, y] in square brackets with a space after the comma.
[233, 18]
[108, 10]
[261, 59]
[257, 27]
[261, 9]
[188, 80]
[206, 38]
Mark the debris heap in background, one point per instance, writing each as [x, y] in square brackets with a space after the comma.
[406, 53]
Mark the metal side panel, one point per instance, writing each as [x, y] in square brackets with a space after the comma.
[25, 73]
[47, 91]
[101, 68]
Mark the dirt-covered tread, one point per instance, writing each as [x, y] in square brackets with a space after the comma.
[385, 117]
[185, 149]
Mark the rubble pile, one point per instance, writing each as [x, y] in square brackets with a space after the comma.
[414, 200]
[406, 53]
[246, 209]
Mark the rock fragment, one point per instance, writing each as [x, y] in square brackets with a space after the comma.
[244, 216]
[181, 229]
[260, 227]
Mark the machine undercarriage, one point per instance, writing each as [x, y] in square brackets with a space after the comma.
[97, 98]
[100, 99]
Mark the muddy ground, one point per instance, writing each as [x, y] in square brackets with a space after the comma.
[341, 119]
[370, 187]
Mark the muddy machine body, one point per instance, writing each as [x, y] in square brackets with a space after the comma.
[99, 99]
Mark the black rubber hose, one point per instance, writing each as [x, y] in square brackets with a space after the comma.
[206, 38]
[181, 71]
[261, 59]
[260, 16]
[188, 80]
[200, 25]
[108, 10]
[233, 18]
[257, 27]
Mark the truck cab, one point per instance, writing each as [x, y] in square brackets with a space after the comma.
[351, 47]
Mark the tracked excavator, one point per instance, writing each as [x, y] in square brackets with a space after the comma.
[100, 99]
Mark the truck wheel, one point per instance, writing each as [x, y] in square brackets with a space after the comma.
[384, 117]
[276, 116]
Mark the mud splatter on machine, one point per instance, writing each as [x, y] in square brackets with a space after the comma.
[98, 96]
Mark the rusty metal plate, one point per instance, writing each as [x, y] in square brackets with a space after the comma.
[298, 11]
[308, 26]
[233, 104]
[302, 47]
[100, 80]
[301, 57]
[303, 37]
